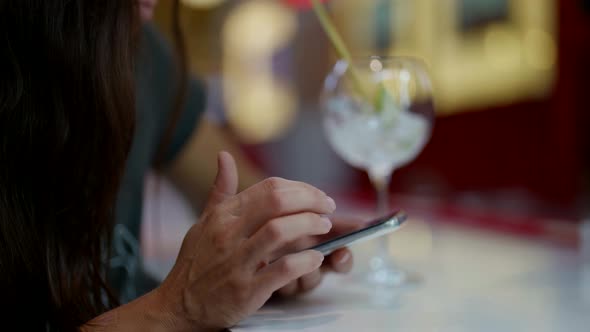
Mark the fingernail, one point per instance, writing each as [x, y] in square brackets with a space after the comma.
[331, 203]
[322, 257]
[345, 257]
[326, 222]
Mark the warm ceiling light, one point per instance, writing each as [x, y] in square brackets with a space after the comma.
[258, 28]
[260, 106]
[263, 111]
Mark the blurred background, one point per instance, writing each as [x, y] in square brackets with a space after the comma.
[510, 146]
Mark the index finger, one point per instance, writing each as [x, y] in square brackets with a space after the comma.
[276, 197]
[340, 226]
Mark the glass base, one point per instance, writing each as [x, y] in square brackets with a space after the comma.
[387, 277]
[384, 272]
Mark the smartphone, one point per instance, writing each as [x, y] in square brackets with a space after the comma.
[375, 228]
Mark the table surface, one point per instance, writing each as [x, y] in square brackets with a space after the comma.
[470, 280]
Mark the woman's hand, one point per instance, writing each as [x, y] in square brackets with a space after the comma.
[340, 261]
[226, 269]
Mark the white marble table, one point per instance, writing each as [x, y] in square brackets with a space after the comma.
[471, 281]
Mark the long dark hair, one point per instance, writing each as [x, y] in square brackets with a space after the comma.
[66, 124]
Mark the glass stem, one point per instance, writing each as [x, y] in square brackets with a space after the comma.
[381, 185]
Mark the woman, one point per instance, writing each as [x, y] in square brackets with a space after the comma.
[66, 126]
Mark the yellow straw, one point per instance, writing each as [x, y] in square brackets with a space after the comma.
[338, 44]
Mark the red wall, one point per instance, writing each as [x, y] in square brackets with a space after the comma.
[538, 145]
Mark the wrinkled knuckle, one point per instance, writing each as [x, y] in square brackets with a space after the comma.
[288, 267]
[275, 231]
[274, 191]
[276, 201]
[273, 183]
[215, 214]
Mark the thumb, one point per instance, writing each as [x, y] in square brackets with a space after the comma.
[226, 181]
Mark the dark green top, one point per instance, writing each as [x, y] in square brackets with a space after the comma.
[155, 94]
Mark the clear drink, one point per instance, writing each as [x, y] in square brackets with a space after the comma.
[375, 142]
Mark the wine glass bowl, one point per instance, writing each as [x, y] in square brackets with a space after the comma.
[378, 114]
